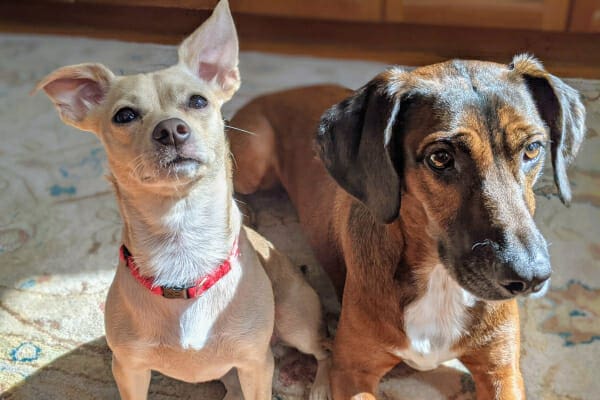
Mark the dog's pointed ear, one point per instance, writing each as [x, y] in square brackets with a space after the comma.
[561, 108]
[75, 90]
[355, 143]
[211, 52]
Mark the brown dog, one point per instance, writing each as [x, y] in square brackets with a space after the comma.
[421, 208]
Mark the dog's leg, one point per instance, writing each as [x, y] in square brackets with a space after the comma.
[492, 381]
[132, 383]
[232, 385]
[359, 361]
[321, 389]
[495, 365]
[299, 323]
[256, 379]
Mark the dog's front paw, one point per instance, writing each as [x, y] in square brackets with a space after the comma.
[320, 393]
[321, 389]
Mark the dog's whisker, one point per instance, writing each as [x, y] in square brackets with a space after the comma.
[486, 242]
[139, 169]
[233, 158]
[178, 183]
[138, 166]
[240, 129]
[135, 160]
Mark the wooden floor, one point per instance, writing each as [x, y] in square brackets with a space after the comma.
[565, 54]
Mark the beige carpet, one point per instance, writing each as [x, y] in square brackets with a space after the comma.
[59, 234]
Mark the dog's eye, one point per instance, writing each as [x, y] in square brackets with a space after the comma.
[124, 116]
[197, 101]
[440, 160]
[532, 151]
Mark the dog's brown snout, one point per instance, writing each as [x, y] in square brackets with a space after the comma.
[173, 131]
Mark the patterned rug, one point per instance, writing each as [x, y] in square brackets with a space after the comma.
[59, 234]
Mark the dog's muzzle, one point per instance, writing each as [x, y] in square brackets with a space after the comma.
[171, 132]
[519, 268]
[176, 150]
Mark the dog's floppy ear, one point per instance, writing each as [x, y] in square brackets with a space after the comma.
[75, 90]
[561, 109]
[211, 52]
[354, 143]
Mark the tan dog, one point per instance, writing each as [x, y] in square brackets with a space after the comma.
[421, 208]
[185, 301]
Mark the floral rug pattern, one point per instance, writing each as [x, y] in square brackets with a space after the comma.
[60, 227]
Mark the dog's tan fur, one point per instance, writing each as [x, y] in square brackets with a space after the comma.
[390, 274]
[180, 221]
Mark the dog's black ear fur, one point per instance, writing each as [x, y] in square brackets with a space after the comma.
[563, 112]
[353, 142]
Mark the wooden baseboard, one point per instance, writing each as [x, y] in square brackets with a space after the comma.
[565, 54]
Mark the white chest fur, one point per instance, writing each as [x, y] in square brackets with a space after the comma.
[185, 238]
[434, 322]
[198, 324]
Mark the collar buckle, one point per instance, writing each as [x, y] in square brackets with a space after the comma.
[175, 292]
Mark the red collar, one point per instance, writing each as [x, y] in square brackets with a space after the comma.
[199, 287]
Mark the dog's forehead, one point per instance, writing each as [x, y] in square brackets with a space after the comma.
[132, 88]
[176, 79]
[461, 71]
[157, 86]
[481, 96]
[457, 83]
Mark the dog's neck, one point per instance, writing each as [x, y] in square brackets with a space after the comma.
[178, 239]
[406, 249]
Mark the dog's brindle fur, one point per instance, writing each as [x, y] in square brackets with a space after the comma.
[421, 255]
[171, 170]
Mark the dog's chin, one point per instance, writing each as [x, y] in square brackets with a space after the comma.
[176, 172]
[184, 168]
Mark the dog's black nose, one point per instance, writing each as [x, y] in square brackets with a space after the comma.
[520, 266]
[525, 276]
[173, 131]
[517, 286]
